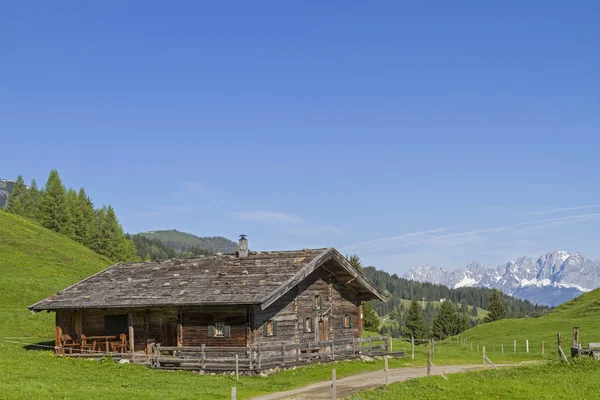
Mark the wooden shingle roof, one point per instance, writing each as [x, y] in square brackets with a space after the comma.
[223, 279]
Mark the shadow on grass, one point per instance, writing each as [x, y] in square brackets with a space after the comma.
[40, 346]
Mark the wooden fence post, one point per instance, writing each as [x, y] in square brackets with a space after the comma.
[542, 347]
[353, 347]
[559, 341]
[412, 346]
[391, 346]
[333, 388]
[386, 371]
[233, 393]
[203, 357]
[527, 345]
[370, 345]
[428, 362]
[237, 370]
[515, 345]
[483, 352]
[502, 348]
[478, 348]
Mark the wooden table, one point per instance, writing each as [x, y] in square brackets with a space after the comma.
[103, 338]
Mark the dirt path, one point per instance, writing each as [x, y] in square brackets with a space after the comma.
[357, 383]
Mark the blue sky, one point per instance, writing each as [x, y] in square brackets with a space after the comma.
[406, 133]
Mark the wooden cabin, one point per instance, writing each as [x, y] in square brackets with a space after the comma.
[245, 299]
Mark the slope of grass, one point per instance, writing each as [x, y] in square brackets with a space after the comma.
[583, 311]
[36, 262]
[548, 381]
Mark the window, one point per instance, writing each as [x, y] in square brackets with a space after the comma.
[115, 324]
[317, 302]
[347, 321]
[270, 328]
[308, 324]
[219, 330]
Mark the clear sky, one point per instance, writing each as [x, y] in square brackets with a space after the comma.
[405, 132]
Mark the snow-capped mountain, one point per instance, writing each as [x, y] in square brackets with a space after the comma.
[550, 279]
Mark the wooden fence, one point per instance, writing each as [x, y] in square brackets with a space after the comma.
[258, 358]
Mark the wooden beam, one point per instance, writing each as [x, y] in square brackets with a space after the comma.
[131, 332]
[179, 328]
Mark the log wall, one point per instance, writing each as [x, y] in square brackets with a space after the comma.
[195, 323]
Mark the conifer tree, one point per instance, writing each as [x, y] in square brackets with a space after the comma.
[53, 210]
[497, 310]
[465, 322]
[87, 216]
[414, 325]
[474, 311]
[464, 308]
[445, 323]
[370, 317]
[395, 314]
[32, 200]
[76, 230]
[17, 198]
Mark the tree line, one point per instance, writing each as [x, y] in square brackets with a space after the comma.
[447, 320]
[401, 288]
[74, 215]
[154, 249]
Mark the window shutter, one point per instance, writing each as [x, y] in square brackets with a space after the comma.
[350, 321]
[312, 324]
[226, 331]
[265, 328]
[275, 328]
[212, 331]
[314, 302]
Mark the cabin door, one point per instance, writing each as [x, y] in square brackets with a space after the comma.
[322, 330]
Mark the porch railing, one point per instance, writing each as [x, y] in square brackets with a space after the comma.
[260, 357]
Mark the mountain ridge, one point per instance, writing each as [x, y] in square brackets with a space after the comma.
[550, 279]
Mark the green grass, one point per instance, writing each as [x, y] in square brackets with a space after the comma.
[36, 262]
[583, 311]
[549, 381]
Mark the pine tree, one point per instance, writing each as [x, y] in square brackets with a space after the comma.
[497, 310]
[76, 231]
[395, 314]
[17, 198]
[86, 208]
[465, 322]
[445, 323]
[464, 308]
[370, 318]
[474, 311]
[53, 210]
[414, 325]
[33, 200]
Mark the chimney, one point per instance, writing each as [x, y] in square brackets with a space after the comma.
[242, 250]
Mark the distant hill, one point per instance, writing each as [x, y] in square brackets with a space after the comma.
[5, 189]
[403, 288]
[584, 312]
[183, 242]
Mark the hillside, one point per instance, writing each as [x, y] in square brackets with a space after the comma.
[36, 262]
[402, 288]
[583, 311]
[182, 241]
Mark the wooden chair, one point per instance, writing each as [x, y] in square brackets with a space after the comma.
[87, 347]
[121, 345]
[70, 342]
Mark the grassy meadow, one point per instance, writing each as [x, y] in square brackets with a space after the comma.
[540, 382]
[36, 263]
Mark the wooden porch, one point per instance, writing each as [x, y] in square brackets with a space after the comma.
[262, 357]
